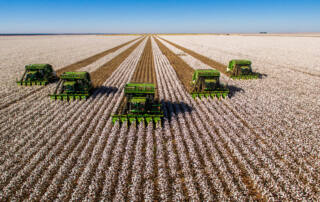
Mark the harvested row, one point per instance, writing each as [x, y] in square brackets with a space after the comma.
[183, 70]
[100, 75]
[89, 60]
[144, 72]
[214, 64]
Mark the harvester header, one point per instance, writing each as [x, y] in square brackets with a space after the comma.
[37, 74]
[205, 83]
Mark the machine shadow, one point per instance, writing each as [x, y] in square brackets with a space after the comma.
[233, 90]
[174, 109]
[106, 90]
[260, 75]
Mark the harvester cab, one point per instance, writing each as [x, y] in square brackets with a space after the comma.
[73, 85]
[37, 74]
[241, 69]
[210, 83]
[33, 75]
[139, 105]
[206, 83]
[69, 87]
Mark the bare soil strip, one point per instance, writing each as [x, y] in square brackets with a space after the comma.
[100, 75]
[182, 69]
[91, 59]
[145, 72]
[214, 64]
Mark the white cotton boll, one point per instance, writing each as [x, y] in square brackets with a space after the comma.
[262, 141]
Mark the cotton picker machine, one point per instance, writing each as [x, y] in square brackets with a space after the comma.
[37, 74]
[241, 69]
[73, 85]
[139, 105]
[205, 83]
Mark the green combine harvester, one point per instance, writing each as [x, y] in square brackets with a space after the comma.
[139, 105]
[241, 69]
[205, 83]
[37, 74]
[73, 85]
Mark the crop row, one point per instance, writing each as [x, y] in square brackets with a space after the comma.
[242, 148]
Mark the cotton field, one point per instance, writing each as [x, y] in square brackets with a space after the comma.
[260, 143]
